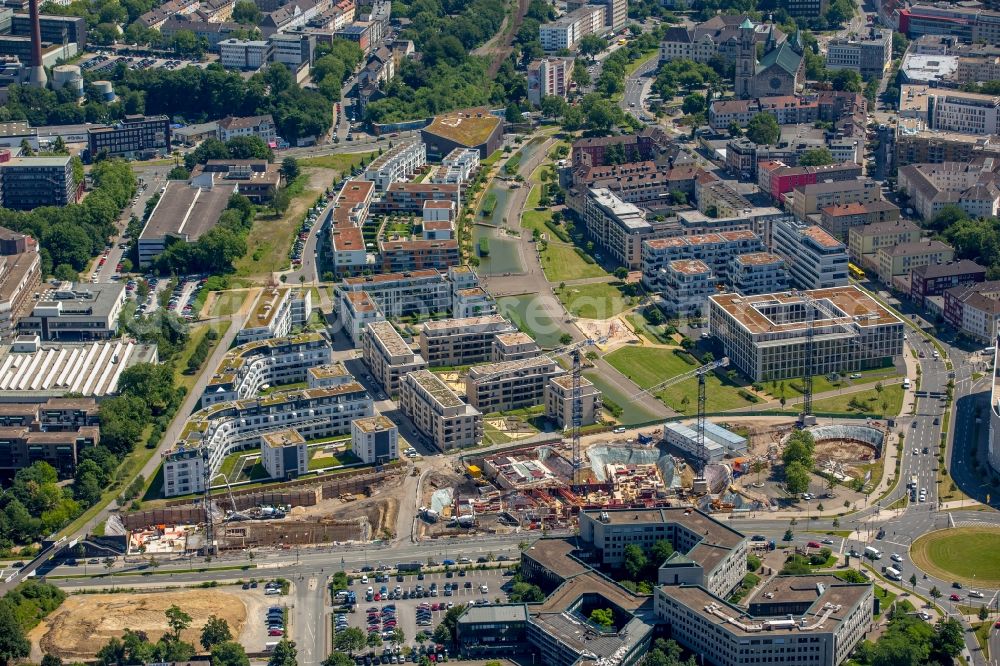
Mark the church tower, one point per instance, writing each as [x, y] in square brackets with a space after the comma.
[746, 61]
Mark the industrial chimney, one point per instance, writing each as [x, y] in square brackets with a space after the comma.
[36, 75]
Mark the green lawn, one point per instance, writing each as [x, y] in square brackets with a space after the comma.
[593, 301]
[648, 367]
[341, 457]
[656, 333]
[968, 554]
[270, 239]
[197, 333]
[341, 161]
[563, 262]
[528, 318]
[284, 387]
[228, 302]
[851, 403]
[821, 383]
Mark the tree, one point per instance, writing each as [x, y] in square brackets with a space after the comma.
[229, 653]
[14, 645]
[847, 79]
[215, 631]
[178, 173]
[948, 638]
[513, 113]
[374, 640]
[290, 169]
[983, 613]
[935, 593]
[591, 45]
[603, 616]
[796, 478]
[280, 202]
[816, 157]
[247, 13]
[694, 103]
[659, 552]
[349, 640]
[913, 581]
[553, 106]
[338, 659]
[565, 339]
[177, 620]
[442, 634]
[59, 146]
[621, 273]
[635, 560]
[284, 654]
[525, 593]
[763, 129]
[580, 75]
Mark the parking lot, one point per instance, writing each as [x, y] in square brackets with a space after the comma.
[102, 62]
[370, 615]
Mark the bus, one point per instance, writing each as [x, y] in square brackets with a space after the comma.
[856, 272]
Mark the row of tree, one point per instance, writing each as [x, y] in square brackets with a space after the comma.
[216, 250]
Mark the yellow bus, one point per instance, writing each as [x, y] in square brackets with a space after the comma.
[856, 272]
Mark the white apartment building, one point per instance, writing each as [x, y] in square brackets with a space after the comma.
[473, 302]
[716, 250]
[397, 164]
[570, 28]
[549, 77]
[357, 309]
[218, 430]
[457, 167]
[757, 273]
[514, 347]
[686, 285]
[284, 454]
[400, 294]
[244, 54]
[617, 226]
[277, 310]
[328, 375]
[375, 439]
[815, 259]
[245, 369]
[966, 113]
[387, 355]
[559, 403]
[438, 413]
[715, 556]
[868, 54]
[461, 341]
[974, 187]
[261, 127]
[765, 335]
[496, 387]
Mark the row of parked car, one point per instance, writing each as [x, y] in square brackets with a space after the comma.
[275, 621]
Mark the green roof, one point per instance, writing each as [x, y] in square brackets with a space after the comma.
[746, 23]
[784, 57]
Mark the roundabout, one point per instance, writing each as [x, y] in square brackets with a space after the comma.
[970, 555]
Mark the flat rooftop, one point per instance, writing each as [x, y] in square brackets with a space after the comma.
[267, 305]
[714, 532]
[436, 388]
[446, 326]
[374, 423]
[282, 438]
[503, 369]
[554, 555]
[27, 162]
[389, 337]
[187, 212]
[329, 371]
[759, 259]
[58, 369]
[821, 237]
[690, 266]
[566, 382]
[387, 278]
[469, 127]
[515, 338]
[857, 308]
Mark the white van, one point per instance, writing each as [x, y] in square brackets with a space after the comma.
[873, 553]
[893, 573]
[906, 383]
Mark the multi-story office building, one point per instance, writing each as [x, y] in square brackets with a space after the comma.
[804, 8]
[765, 335]
[806, 200]
[257, 180]
[396, 164]
[292, 49]
[29, 182]
[935, 279]
[716, 444]
[968, 24]
[275, 313]
[54, 29]
[915, 143]
[840, 219]
[966, 113]
[868, 54]
[757, 273]
[559, 402]
[974, 309]
[438, 413]
[284, 454]
[262, 127]
[898, 260]
[867, 240]
[218, 430]
[777, 179]
[387, 355]
[135, 137]
[816, 260]
[618, 227]
[245, 369]
[474, 128]
[461, 341]
[514, 347]
[75, 312]
[549, 77]
[244, 54]
[497, 387]
[375, 439]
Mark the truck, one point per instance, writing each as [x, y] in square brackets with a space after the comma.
[873, 553]
[409, 566]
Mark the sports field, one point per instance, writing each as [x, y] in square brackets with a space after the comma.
[970, 555]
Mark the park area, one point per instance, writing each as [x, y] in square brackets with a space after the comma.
[970, 555]
[598, 300]
[648, 366]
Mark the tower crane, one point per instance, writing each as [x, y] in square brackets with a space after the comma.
[809, 362]
[700, 373]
